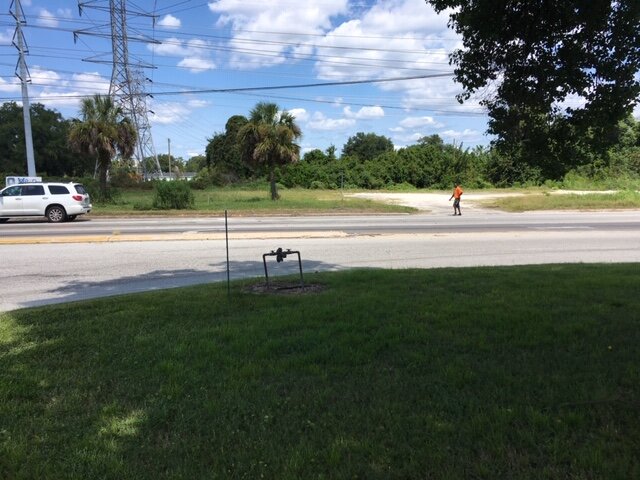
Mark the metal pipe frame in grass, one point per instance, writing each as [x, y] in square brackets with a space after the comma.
[280, 255]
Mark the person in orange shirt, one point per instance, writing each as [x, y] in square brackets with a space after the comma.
[457, 193]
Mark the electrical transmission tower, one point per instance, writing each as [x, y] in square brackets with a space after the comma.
[128, 81]
[23, 74]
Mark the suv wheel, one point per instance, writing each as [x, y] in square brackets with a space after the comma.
[56, 214]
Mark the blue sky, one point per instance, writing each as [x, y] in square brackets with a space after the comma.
[228, 44]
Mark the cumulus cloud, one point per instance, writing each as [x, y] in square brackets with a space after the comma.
[59, 90]
[197, 65]
[248, 19]
[416, 122]
[196, 103]
[365, 113]
[410, 138]
[174, 112]
[11, 86]
[300, 114]
[320, 122]
[195, 53]
[400, 38]
[46, 18]
[169, 21]
[169, 112]
[466, 134]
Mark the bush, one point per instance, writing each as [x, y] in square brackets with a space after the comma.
[172, 195]
[92, 185]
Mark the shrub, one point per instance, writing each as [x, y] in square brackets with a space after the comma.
[172, 195]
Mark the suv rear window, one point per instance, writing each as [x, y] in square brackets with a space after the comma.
[58, 189]
[80, 189]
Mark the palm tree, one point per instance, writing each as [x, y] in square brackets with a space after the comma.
[268, 139]
[102, 133]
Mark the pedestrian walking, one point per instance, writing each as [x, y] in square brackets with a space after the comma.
[457, 193]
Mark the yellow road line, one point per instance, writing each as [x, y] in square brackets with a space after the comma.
[164, 237]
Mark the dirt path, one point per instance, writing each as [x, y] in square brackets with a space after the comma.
[434, 202]
[439, 202]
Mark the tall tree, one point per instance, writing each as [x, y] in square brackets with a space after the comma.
[102, 133]
[556, 75]
[366, 146]
[52, 154]
[268, 139]
[223, 151]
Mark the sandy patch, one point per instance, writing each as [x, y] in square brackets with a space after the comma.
[439, 202]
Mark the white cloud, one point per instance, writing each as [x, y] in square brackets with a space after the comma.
[408, 138]
[174, 112]
[195, 53]
[12, 86]
[320, 122]
[56, 99]
[56, 90]
[248, 19]
[466, 134]
[415, 122]
[300, 114]
[46, 18]
[399, 38]
[169, 112]
[196, 103]
[170, 47]
[169, 21]
[92, 80]
[364, 113]
[197, 65]
[193, 153]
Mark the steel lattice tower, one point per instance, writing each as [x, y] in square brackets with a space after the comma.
[127, 86]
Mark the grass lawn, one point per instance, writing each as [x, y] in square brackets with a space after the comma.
[249, 201]
[547, 201]
[513, 372]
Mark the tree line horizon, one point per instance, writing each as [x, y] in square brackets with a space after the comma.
[367, 160]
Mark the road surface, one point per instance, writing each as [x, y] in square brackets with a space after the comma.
[46, 263]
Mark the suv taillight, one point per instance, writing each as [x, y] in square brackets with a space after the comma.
[77, 198]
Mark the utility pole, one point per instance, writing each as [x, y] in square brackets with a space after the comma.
[23, 74]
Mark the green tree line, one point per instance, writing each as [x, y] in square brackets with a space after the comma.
[366, 160]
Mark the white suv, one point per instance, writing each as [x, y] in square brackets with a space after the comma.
[56, 201]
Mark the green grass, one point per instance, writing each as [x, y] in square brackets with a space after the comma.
[518, 372]
[249, 201]
[547, 201]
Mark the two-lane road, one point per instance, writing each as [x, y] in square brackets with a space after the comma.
[46, 263]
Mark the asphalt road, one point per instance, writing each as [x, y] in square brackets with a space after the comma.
[476, 221]
[45, 263]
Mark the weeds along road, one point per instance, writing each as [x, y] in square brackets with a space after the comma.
[45, 263]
